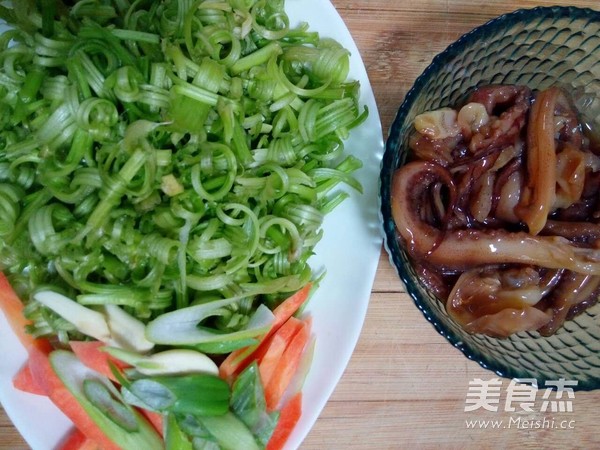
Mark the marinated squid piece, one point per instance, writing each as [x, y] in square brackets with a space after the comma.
[587, 209]
[573, 291]
[500, 302]
[506, 193]
[440, 151]
[462, 249]
[586, 233]
[495, 143]
[490, 127]
[507, 107]
[439, 133]
[517, 185]
[480, 185]
[499, 138]
[472, 177]
[539, 193]
[439, 124]
[570, 176]
[555, 163]
[437, 137]
[480, 204]
[434, 281]
[411, 196]
[497, 98]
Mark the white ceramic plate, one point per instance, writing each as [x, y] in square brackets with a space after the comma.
[349, 252]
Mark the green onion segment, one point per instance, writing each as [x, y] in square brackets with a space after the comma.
[159, 155]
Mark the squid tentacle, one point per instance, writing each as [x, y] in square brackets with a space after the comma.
[466, 248]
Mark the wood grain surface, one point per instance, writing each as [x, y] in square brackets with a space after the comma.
[405, 386]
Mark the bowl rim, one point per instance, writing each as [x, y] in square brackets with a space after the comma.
[390, 242]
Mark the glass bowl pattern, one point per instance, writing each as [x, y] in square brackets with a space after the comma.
[537, 47]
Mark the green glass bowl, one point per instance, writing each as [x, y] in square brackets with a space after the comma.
[537, 47]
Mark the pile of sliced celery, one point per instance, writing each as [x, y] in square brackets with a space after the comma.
[161, 154]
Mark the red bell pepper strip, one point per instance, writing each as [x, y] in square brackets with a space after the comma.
[289, 306]
[39, 366]
[156, 419]
[286, 367]
[76, 440]
[91, 354]
[24, 381]
[288, 418]
[275, 347]
[12, 307]
[238, 360]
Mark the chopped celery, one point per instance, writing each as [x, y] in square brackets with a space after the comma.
[164, 152]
